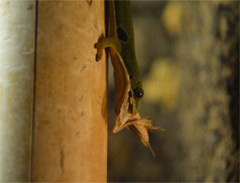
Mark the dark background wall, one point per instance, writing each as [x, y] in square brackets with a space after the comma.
[188, 54]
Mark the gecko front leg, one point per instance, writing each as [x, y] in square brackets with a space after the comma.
[110, 41]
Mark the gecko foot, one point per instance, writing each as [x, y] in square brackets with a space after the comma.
[99, 51]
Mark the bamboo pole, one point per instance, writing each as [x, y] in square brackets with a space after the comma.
[70, 130]
[17, 46]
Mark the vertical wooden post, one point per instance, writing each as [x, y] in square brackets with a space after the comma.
[17, 43]
[70, 130]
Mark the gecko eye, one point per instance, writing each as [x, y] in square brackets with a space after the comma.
[139, 93]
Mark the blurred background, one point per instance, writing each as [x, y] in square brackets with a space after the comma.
[188, 53]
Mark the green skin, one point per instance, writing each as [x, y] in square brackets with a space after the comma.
[122, 39]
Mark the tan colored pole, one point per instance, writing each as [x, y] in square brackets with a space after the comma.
[17, 48]
[70, 130]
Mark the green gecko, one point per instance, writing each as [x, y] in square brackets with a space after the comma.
[128, 82]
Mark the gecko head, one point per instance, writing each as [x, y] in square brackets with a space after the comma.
[128, 110]
[137, 96]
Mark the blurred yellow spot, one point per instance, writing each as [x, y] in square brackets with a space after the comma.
[162, 85]
[60, 4]
[172, 18]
